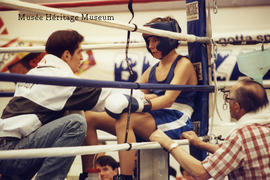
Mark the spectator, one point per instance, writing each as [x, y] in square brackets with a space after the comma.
[108, 167]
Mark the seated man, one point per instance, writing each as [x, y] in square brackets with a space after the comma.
[245, 152]
[36, 116]
[171, 110]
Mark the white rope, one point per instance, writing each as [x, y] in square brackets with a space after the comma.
[35, 49]
[217, 38]
[130, 27]
[108, 137]
[78, 150]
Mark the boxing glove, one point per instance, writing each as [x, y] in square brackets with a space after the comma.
[117, 104]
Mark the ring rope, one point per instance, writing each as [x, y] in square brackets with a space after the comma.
[130, 146]
[51, 80]
[6, 94]
[130, 27]
[79, 150]
[36, 49]
[131, 74]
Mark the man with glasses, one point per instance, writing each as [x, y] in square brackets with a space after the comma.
[245, 152]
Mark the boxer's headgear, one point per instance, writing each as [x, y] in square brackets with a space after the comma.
[166, 44]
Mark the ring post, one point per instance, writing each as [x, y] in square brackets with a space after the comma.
[155, 161]
[196, 25]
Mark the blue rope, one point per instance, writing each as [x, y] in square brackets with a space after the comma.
[60, 81]
[6, 94]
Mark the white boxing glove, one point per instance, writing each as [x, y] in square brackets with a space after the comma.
[117, 103]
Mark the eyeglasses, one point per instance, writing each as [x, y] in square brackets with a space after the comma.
[227, 98]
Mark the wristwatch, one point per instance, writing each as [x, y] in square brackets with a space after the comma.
[173, 146]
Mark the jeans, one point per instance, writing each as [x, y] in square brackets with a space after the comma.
[66, 131]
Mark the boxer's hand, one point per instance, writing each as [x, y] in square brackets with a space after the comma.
[117, 103]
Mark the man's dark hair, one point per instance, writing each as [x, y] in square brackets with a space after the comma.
[62, 40]
[107, 160]
[251, 95]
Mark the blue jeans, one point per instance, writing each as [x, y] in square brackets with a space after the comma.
[66, 131]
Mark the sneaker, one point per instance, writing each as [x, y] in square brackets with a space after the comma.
[83, 176]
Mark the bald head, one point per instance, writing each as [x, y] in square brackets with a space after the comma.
[250, 94]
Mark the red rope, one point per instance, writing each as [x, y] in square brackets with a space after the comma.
[90, 3]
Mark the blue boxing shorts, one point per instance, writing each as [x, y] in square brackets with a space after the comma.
[172, 122]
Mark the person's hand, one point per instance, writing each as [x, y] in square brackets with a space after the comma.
[157, 135]
[192, 137]
[160, 137]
